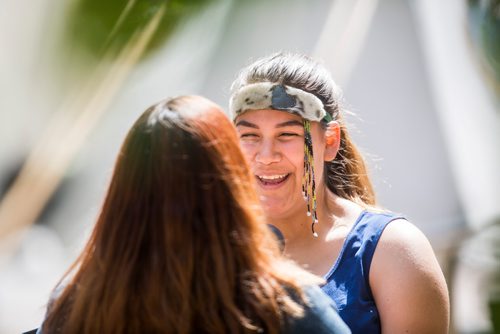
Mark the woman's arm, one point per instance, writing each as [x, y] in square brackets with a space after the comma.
[407, 283]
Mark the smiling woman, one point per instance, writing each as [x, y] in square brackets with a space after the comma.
[379, 269]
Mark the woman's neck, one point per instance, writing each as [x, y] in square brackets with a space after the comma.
[332, 211]
[317, 254]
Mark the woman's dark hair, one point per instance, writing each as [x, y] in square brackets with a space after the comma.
[180, 245]
[346, 175]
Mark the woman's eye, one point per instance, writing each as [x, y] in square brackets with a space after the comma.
[289, 134]
[248, 135]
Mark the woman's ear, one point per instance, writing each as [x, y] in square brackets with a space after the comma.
[332, 140]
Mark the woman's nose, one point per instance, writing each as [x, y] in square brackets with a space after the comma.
[267, 153]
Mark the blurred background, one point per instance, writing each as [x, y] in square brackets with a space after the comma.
[421, 79]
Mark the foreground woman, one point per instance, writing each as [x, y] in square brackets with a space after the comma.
[180, 245]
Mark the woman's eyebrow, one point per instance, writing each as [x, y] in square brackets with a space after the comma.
[290, 123]
[247, 124]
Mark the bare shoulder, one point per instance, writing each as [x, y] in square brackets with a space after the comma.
[407, 282]
[403, 242]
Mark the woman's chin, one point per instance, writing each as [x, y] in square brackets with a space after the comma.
[276, 211]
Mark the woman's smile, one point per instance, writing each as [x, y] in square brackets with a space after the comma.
[273, 181]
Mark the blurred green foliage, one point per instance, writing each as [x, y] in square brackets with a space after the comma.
[481, 252]
[494, 306]
[96, 28]
[484, 25]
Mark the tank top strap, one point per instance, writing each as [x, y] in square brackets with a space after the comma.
[361, 242]
[347, 282]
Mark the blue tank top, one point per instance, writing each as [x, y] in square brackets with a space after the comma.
[347, 281]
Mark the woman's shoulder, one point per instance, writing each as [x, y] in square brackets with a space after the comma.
[401, 239]
[55, 294]
[320, 314]
[405, 275]
[403, 249]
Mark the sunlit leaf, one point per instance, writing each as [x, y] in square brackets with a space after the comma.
[96, 28]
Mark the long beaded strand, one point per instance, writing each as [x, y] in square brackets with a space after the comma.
[308, 180]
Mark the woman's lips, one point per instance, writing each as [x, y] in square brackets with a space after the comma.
[272, 181]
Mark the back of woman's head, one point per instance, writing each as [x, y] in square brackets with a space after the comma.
[179, 245]
[346, 175]
[181, 174]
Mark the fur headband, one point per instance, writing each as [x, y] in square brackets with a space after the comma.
[267, 95]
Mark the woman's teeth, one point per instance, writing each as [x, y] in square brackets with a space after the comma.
[272, 179]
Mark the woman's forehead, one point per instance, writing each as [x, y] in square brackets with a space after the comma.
[268, 116]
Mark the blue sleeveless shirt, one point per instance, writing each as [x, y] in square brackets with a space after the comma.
[347, 282]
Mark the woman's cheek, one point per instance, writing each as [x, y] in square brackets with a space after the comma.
[294, 150]
[248, 149]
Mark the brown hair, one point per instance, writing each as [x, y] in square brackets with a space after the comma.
[180, 245]
[346, 175]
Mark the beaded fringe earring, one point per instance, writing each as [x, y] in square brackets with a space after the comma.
[308, 181]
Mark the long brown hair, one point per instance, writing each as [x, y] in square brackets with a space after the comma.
[180, 245]
[346, 175]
